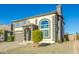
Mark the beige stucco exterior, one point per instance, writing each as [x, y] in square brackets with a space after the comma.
[55, 25]
[32, 20]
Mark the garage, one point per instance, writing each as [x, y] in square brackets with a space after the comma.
[19, 36]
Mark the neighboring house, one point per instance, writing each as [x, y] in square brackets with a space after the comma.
[71, 37]
[6, 29]
[51, 24]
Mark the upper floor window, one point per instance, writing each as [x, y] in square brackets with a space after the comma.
[23, 23]
[44, 24]
[17, 25]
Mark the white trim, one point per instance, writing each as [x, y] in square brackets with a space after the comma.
[18, 29]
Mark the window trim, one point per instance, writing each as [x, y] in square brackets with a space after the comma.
[44, 29]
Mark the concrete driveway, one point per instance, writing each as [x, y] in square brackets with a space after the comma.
[6, 46]
[76, 46]
[57, 48]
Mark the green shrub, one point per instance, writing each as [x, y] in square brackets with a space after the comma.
[10, 38]
[66, 37]
[1, 33]
[37, 36]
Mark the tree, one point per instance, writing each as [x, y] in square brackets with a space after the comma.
[66, 37]
[37, 36]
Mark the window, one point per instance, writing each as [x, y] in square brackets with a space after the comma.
[23, 23]
[17, 25]
[44, 27]
[44, 24]
[46, 33]
[28, 22]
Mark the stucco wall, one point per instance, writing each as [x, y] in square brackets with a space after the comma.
[32, 20]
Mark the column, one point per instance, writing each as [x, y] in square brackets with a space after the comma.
[24, 34]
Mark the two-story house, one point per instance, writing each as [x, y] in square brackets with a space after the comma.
[51, 24]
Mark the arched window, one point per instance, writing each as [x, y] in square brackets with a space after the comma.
[44, 27]
[44, 24]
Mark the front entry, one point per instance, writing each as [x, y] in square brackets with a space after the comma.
[28, 34]
[28, 31]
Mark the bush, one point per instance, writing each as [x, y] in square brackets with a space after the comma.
[37, 36]
[10, 38]
[1, 33]
[66, 38]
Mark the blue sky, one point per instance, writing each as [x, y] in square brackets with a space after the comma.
[12, 12]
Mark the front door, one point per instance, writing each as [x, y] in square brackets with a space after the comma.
[28, 34]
